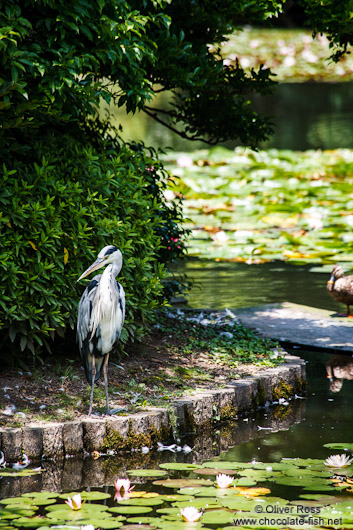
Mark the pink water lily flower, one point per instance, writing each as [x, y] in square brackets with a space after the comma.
[190, 514]
[223, 480]
[75, 502]
[123, 488]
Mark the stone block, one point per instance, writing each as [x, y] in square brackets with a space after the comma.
[11, 444]
[139, 423]
[119, 424]
[53, 446]
[94, 432]
[184, 409]
[73, 438]
[32, 442]
[243, 390]
[158, 420]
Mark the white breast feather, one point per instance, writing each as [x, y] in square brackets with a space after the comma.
[107, 313]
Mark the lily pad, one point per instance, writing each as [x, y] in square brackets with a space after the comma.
[142, 501]
[214, 471]
[141, 522]
[87, 495]
[217, 517]
[146, 472]
[176, 497]
[182, 482]
[178, 466]
[201, 502]
[341, 446]
[130, 510]
[223, 464]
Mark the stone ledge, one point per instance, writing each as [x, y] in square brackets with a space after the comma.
[243, 396]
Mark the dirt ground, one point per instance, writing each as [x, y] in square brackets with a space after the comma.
[152, 375]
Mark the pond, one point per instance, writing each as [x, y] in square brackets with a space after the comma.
[305, 115]
[216, 285]
[260, 464]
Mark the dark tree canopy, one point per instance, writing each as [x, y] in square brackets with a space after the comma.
[59, 58]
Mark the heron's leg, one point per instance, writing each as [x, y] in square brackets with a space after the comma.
[105, 374]
[92, 384]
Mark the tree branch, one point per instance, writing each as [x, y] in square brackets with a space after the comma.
[151, 112]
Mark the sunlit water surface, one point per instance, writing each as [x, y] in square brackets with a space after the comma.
[216, 285]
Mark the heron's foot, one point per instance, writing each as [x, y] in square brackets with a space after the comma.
[346, 315]
[108, 413]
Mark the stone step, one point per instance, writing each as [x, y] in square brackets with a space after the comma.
[302, 325]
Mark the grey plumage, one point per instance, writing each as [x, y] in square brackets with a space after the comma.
[101, 315]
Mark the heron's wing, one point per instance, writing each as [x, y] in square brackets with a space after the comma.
[121, 303]
[85, 312]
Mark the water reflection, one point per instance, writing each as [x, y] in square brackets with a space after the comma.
[305, 115]
[74, 474]
[328, 419]
[235, 285]
[339, 368]
[310, 115]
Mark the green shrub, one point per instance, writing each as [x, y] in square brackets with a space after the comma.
[60, 205]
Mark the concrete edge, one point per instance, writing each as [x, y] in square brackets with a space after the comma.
[185, 415]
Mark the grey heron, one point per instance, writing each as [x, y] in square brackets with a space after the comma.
[101, 314]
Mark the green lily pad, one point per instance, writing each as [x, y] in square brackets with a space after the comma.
[142, 501]
[176, 497]
[30, 522]
[87, 495]
[179, 466]
[245, 482]
[211, 491]
[182, 482]
[85, 508]
[322, 499]
[222, 465]
[24, 501]
[141, 521]
[41, 495]
[214, 471]
[179, 525]
[130, 510]
[201, 502]
[217, 517]
[146, 472]
[341, 446]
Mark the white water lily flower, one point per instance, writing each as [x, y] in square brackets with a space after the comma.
[190, 514]
[338, 461]
[123, 488]
[223, 481]
[75, 502]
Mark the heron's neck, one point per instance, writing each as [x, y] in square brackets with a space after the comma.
[112, 270]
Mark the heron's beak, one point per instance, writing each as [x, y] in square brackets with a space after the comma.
[96, 265]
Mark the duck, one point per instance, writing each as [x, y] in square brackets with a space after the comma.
[340, 287]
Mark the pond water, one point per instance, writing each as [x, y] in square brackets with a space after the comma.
[216, 285]
[305, 116]
[296, 429]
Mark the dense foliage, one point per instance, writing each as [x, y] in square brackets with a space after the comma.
[60, 205]
[68, 188]
[334, 19]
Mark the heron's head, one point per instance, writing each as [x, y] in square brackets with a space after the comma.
[108, 254]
